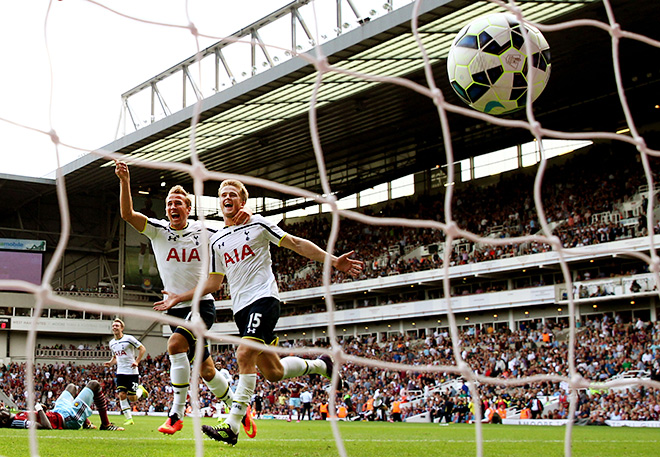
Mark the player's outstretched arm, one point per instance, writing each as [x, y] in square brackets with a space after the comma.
[135, 218]
[171, 299]
[42, 419]
[351, 266]
[310, 250]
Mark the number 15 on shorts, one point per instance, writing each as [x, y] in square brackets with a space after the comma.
[253, 323]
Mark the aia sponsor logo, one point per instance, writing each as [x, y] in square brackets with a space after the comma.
[183, 255]
[234, 257]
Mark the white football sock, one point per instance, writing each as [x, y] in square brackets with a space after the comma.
[125, 408]
[242, 397]
[220, 388]
[295, 366]
[180, 379]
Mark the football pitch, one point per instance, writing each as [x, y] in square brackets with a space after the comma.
[361, 439]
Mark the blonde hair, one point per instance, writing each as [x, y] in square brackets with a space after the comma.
[120, 321]
[242, 191]
[180, 191]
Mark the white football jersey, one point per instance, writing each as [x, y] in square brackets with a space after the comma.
[178, 255]
[125, 350]
[242, 253]
[225, 374]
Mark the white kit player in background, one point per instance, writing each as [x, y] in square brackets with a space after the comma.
[176, 243]
[242, 253]
[127, 353]
[220, 366]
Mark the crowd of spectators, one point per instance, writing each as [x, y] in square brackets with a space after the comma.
[606, 347]
[584, 186]
[574, 190]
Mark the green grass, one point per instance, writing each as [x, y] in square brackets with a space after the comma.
[361, 439]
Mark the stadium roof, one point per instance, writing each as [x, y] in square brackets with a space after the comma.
[372, 132]
[21, 191]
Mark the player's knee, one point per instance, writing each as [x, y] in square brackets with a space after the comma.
[207, 372]
[174, 349]
[243, 354]
[177, 344]
[94, 386]
[246, 356]
[273, 374]
[72, 389]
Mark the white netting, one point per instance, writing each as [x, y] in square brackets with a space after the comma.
[45, 297]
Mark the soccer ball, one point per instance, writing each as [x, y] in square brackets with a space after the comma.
[488, 63]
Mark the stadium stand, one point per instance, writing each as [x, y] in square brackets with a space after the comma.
[608, 348]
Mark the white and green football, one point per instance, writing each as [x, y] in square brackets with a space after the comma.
[488, 63]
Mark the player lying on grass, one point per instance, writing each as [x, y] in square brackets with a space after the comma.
[69, 412]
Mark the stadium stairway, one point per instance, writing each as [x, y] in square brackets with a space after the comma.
[6, 400]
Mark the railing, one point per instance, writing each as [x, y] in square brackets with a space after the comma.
[76, 293]
[632, 374]
[417, 396]
[75, 354]
[226, 62]
[53, 313]
[615, 287]
[606, 217]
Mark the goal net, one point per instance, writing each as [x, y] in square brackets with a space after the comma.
[449, 226]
